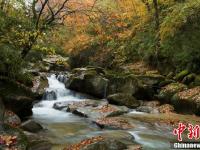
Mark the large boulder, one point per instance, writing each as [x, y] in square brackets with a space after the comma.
[21, 105]
[169, 90]
[87, 80]
[40, 83]
[149, 83]
[123, 99]
[123, 84]
[187, 101]
[56, 62]
[151, 79]
[17, 97]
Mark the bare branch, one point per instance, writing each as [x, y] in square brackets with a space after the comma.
[40, 13]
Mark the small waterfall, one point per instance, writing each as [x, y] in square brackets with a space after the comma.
[55, 90]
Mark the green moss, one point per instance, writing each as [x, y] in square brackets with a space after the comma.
[169, 90]
[181, 75]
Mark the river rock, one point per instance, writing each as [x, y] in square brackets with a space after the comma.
[166, 108]
[73, 105]
[49, 95]
[149, 83]
[88, 103]
[187, 101]
[153, 103]
[17, 97]
[147, 109]
[87, 80]
[155, 108]
[15, 133]
[122, 84]
[37, 142]
[40, 83]
[151, 79]
[167, 92]
[11, 119]
[62, 77]
[101, 111]
[120, 135]
[57, 62]
[189, 79]
[31, 126]
[61, 105]
[114, 123]
[148, 106]
[21, 105]
[123, 99]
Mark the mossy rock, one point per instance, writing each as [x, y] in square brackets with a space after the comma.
[151, 79]
[169, 90]
[21, 142]
[188, 79]
[88, 81]
[123, 84]
[181, 75]
[123, 99]
[196, 81]
[187, 101]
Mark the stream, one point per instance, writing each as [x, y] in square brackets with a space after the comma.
[63, 128]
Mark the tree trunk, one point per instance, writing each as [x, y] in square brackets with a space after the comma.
[156, 14]
[28, 47]
[157, 28]
[25, 51]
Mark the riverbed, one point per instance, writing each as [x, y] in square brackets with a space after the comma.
[63, 128]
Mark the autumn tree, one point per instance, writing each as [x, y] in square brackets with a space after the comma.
[40, 16]
[47, 13]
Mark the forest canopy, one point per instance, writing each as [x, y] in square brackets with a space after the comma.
[104, 33]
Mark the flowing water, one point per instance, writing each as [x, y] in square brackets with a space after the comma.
[63, 128]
